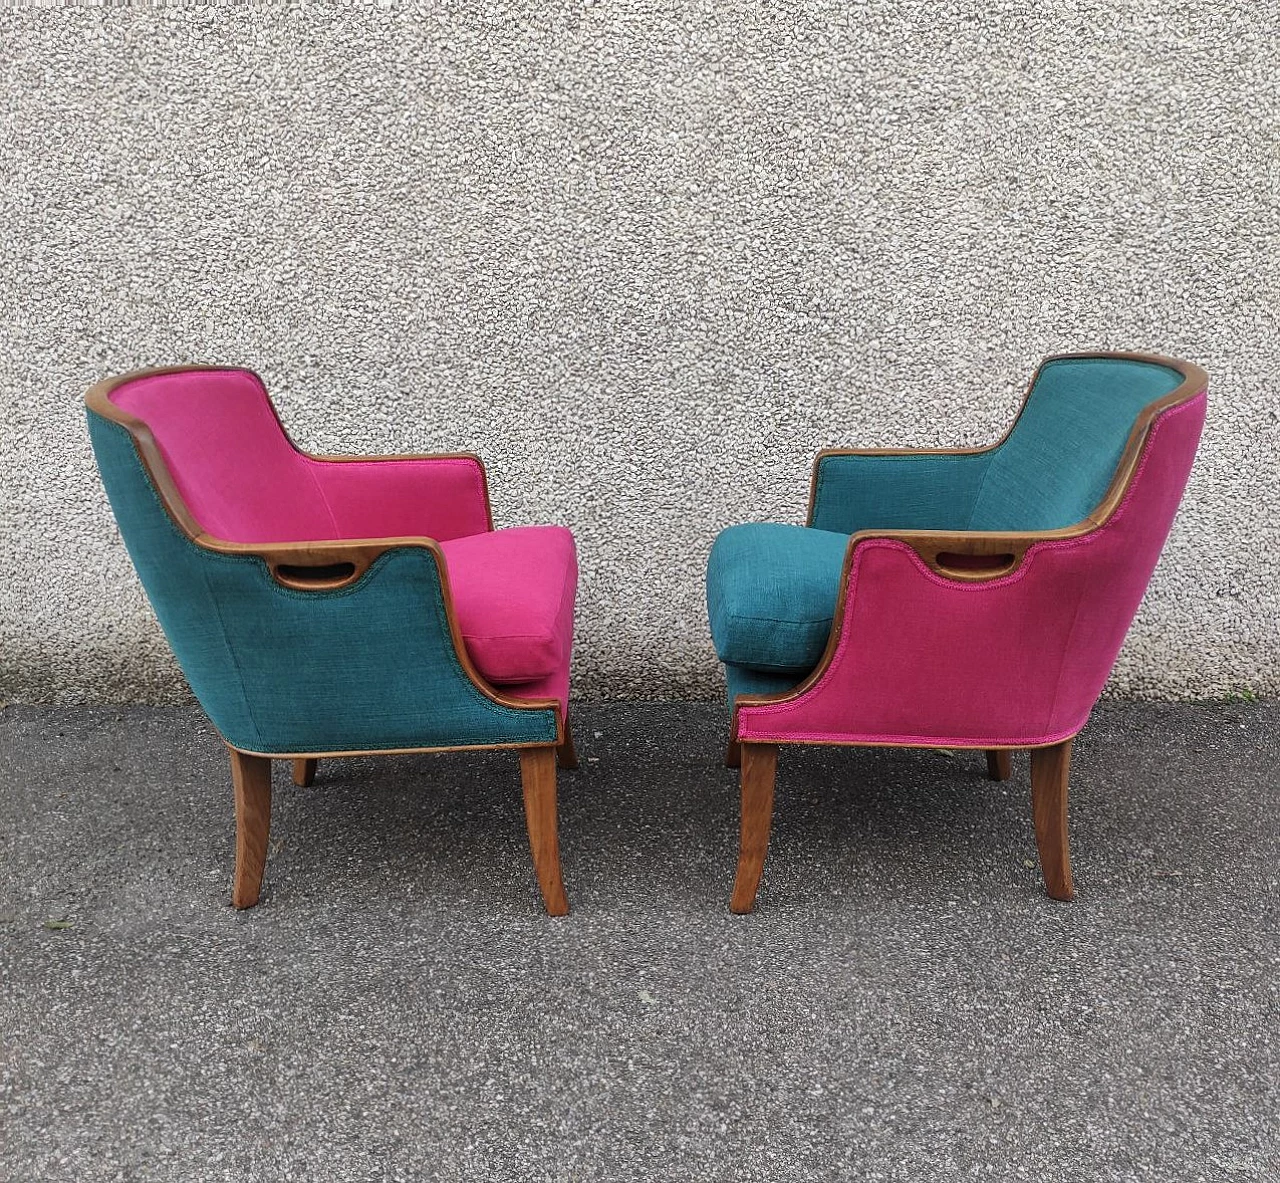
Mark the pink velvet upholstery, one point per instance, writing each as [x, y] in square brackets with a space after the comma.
[513, 593]
[1014, 661]
[244, 481]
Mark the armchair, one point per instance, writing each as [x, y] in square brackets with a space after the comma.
[324, 606]
[974, 598]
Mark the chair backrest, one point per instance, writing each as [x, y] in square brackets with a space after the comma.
[1056, 464]
[236, 469]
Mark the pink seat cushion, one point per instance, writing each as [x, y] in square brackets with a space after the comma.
[513, 595]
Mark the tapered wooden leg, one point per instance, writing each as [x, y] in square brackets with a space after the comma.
[251, 776]
[733, 754]
[999, 764]
[304, 772]
[759, 768]
[1049, 772]
[566, 756]
[538, 778]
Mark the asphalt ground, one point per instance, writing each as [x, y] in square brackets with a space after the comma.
[905, 1003]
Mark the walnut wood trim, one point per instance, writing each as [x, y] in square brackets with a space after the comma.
[360, 553]
[929, 544]
[759, 772]
[733, 750]
[1050, 770]
[1194, 381]
[437, 750]
[538, 785]
[999, 763]
[566, 753]
[251, 781]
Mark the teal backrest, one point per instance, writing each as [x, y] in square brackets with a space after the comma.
[1052, 471]
[1062, 454]
[365, 667]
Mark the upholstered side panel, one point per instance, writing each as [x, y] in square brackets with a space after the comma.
[370, 666]
[1056, 465]
[1018, 660]
[898, 492]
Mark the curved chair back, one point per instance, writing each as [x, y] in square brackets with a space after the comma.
[1068, 447]
[226, 451]
[1054, 467]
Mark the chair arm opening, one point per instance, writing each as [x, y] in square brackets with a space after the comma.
[324, 577]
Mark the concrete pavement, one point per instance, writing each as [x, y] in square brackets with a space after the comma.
[905, 1003]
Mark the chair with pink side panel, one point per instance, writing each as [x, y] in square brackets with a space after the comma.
[324, 606]
[958, 599]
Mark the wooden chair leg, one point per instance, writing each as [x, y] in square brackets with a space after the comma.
[566, 755]
[538, 779]
[999, 764]
[1049, 772]
[251, 777]
[304, 772]
[759, 769]
[733, 754]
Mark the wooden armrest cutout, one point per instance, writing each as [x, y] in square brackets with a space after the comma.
[324, 577]
[962, 566]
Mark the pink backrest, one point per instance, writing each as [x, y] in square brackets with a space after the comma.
[1018, 660]
[239, 475]
[243, 480]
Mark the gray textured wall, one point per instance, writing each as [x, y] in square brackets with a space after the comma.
[645, 264]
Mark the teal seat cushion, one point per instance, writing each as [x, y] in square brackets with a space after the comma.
[742, 681]
[771, 594]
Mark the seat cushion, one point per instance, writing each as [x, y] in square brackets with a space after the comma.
[771, 594]
[743, 681]
[513, 595]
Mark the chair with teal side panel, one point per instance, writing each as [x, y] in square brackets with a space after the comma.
[324, 606]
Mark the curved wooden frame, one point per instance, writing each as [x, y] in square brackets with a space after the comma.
[251, 770]
[1050, 762]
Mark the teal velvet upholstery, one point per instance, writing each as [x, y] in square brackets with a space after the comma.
[772, 589]
[1052, 470]
[745, 681]
[771, 593]
[1057, 463]
[366, 667]
[899, 492]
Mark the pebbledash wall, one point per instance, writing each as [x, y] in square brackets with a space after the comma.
[645, 263]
